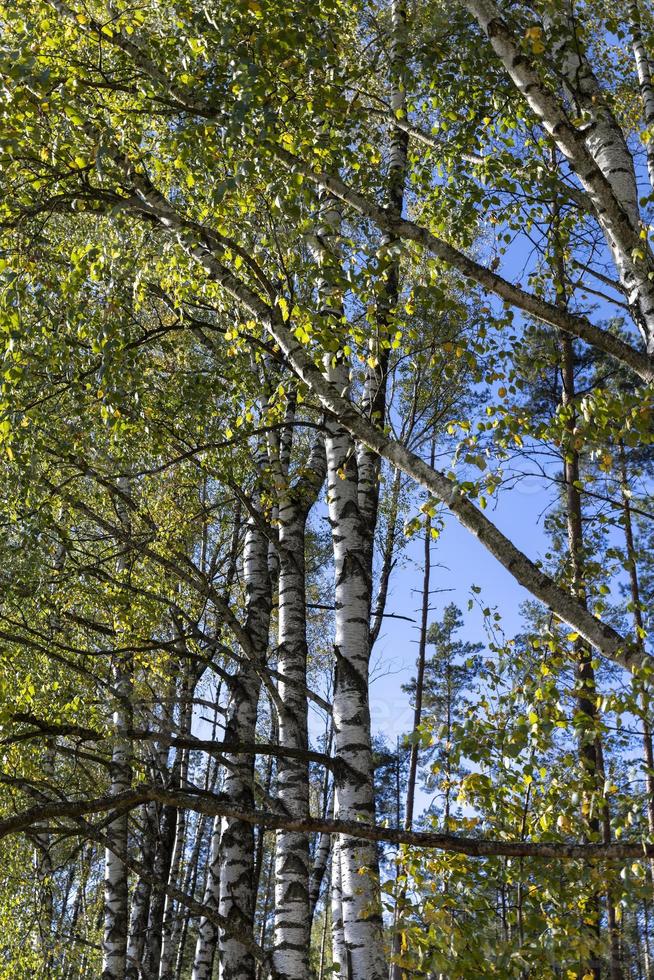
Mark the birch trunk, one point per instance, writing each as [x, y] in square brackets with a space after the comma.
[339, 949]
[597, 150]
[161, 871]
[322, 853]
[114, 945]
[232, 888]
[353, 782]
[167, 941]
[267, 897]
[292, 922]
[644, 72]
[374, 394]
[323, 846]
[356, 907]
[180, 932]
[138, 924]
[207, 939]
[115, 878]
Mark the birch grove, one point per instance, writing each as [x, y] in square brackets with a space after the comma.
[297, 298]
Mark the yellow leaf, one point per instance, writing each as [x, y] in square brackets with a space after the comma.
[535, 37]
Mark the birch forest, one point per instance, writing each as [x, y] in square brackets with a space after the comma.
[326, 473]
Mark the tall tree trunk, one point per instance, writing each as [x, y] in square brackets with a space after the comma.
[356, 914]
[138, 925]
[265, 910]
[267, 784]
[644, 72]
[586, 687]
[161, 870]
[207, 938]
[114, 945]
[171, 911]
[387, 558]
[648, 746]
[353, 781]
[634, 588]
[597, 151]
[323, 846]
[292, 929]
[353, 496]
[396, 972]
[180, 934]
[43, 872]
[339, 948]
[233, 887]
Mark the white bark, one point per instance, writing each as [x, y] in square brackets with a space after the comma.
[292, 921]
[339, 949]
[138, 923]
[356, 901]
[644, 72]
[115, 878]
[167, 942]
[353, 784]
[114, 945]
[320, 861]
[232, 886]
[600, 129]
[207, 939]
[161, 871]
[597, 150]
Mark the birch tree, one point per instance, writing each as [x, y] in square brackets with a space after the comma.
[243, 249]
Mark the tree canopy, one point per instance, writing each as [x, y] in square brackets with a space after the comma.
[285, 291]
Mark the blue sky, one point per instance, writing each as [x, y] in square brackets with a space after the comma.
[459, 561]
